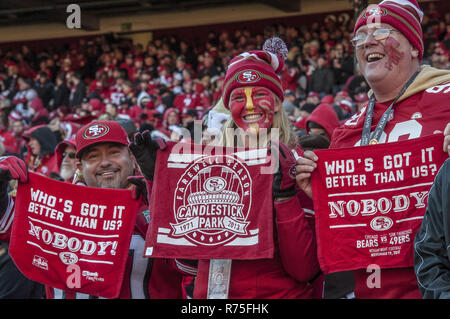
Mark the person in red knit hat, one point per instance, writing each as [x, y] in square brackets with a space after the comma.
[389, 48]
[253, 93]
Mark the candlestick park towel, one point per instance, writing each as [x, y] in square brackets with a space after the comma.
[211, 203]
[71, 237]
[369, 202]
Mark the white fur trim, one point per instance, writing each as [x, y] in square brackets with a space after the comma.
[274, 63]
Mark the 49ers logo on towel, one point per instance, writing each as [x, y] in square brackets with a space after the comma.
[248, 76]
[212, 201]
[203, 203]
[95, 131]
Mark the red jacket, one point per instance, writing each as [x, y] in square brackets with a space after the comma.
[416, 116]
[9, 142]
[287, 275]
[325, 116]
[187, 101]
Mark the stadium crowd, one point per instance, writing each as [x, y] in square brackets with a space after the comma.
[171, 82]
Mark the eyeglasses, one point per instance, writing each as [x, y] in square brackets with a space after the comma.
[378, 34]
[71, 155]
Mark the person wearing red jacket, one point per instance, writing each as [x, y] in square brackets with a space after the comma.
[128, 110]
[256, 105]
[189, 99]
[323, 121]
[389, 54]
[8, 140]
[41, 143]
[106, 162]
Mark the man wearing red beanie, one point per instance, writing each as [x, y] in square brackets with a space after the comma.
[389, 48]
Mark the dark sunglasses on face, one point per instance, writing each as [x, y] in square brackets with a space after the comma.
[71, 154]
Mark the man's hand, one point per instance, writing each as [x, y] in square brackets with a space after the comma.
[447, 139]
[304, 168]
[145, 150]
[283, 186]
[12, 167]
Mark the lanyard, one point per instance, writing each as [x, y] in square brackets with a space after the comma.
[373, 138]
[219, 278]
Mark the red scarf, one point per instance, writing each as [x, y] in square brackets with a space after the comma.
[211, 203]
[369, 202]
[72, 237]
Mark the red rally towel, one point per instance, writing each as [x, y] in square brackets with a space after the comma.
[369, 202]
[211, 203]
[72, 237]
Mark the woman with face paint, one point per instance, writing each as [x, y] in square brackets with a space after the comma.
[388, 45]
[253, 94]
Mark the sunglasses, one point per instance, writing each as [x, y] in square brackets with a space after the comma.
[71, 154]
[378, 34]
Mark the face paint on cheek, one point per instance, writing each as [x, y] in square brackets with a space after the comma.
[393, 55]
[267, 104]
[257, 103]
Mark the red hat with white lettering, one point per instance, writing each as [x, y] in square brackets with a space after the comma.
[256, 68]
[100, 132]
[404, 15]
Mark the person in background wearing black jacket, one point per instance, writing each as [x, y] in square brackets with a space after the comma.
[61, 93]
[78, 90]
[431, 258]
[44, 88]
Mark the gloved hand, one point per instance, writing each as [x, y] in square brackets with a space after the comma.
[140, 188]
[144, 150]
[12, 167]
[284, 178]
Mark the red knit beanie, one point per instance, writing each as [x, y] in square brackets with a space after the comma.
[404, 15]
[256, 68]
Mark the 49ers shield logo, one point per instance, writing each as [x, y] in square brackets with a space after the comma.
[95, 131]
[248, 76]
[212, 201]
[374, 10]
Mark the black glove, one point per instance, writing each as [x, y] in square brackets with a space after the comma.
[284, 178]
[145, 149]
[140, 188]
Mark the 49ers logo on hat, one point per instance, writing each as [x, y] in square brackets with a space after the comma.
[374, 10]
[248, 76]
[95, 131]
[212, 201]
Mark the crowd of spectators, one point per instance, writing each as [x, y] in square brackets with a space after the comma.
[170, 82]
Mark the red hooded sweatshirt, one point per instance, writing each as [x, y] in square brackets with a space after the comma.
[325, 116]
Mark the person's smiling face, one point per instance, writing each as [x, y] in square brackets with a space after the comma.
[107, 165]
[253, 107]
[384, 62]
